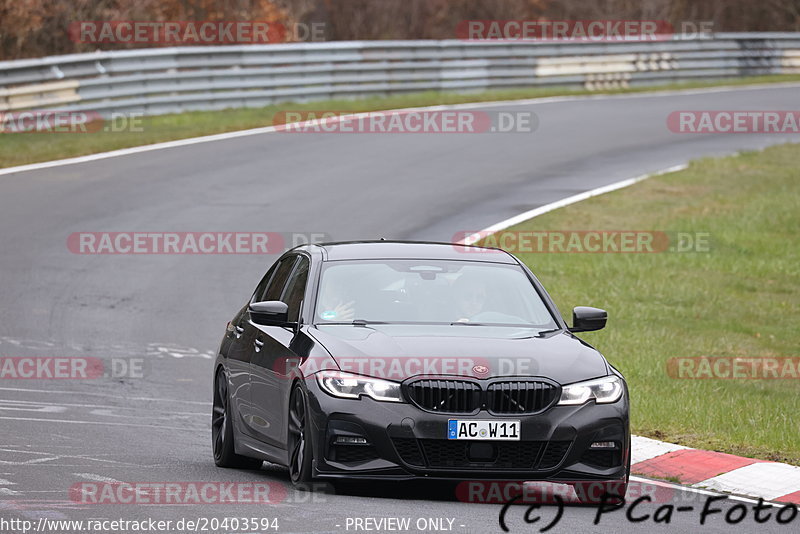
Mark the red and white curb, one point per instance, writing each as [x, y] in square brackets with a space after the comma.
[725, 473]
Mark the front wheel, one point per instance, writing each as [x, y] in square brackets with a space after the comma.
[300, 451]
[222, 429]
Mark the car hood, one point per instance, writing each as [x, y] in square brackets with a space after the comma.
[398, 352]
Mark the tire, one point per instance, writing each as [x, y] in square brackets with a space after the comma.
[301, 453]
[222, 440]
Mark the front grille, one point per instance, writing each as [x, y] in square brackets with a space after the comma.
[500, 397]
[510, 397]
[444, 454]
[449, 396]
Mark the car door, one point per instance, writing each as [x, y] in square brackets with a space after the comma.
[247, 331]
[238, 351]
[238, 367]
[268, 376]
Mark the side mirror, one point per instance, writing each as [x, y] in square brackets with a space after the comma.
[269, 312]
[586, 319]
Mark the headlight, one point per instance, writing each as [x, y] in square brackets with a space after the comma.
[349, 386]
[602, 390]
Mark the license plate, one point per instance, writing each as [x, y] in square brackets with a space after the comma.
[483, 430]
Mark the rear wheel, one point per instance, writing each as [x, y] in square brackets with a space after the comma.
[301, 454]
[222, 429]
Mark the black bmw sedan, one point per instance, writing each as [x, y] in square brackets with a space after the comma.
[398, 360]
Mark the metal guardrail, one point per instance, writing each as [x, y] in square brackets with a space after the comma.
[167, 80]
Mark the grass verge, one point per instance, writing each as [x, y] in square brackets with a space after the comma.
[24, 148]
[741, 298]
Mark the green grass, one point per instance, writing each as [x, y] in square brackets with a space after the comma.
[740, 299]
[24, 148]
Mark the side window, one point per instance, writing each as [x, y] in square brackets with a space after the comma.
[276, 285]
[262, 285]
[296, 288]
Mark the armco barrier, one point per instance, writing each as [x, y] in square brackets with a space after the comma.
[167, 80]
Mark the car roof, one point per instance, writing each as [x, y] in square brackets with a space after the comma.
[365, 250]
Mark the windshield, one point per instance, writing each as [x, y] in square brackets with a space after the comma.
[429, 292]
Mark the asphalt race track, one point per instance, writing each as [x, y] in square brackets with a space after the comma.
[170, 311]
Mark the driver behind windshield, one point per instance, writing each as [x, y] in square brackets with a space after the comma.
[333, 307]
[470, 296]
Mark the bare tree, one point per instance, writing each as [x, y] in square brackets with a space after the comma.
[30, 28]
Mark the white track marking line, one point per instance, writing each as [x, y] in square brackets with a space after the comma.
[70, 456]
[160, 416]
[530, 214]
[104, 423]
[106, 395]
[38, 407]
[103, 407]
[97, 478]
[469, 105]
[690, 489]
[29, 462]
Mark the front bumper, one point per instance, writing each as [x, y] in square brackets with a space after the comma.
[406, 442]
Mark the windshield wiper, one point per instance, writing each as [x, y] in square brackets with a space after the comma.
[355, 322]
[512, 325]
[364, 322]
[543, 332]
